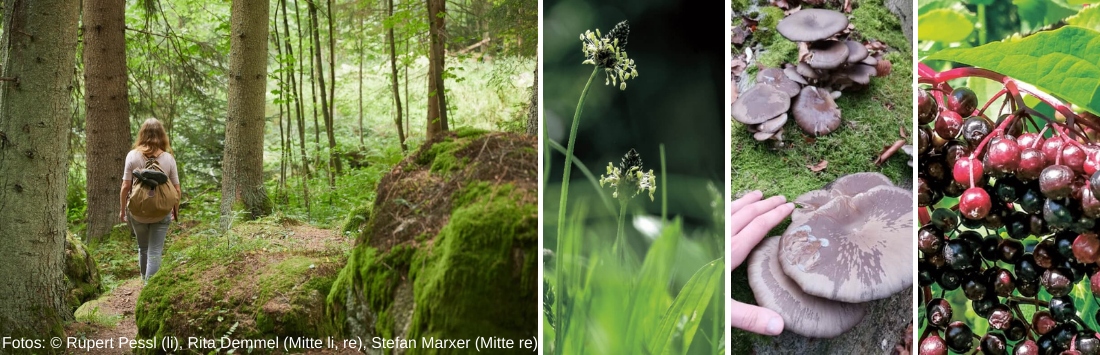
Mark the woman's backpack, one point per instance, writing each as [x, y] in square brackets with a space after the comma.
[152, 197]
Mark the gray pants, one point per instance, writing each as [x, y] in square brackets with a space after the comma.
[150, 238]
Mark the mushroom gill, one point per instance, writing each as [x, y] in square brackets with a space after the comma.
[802, 313]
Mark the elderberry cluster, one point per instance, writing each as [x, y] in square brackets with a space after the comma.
[1023, 228]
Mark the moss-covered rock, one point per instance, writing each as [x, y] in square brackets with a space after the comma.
[269, 279]
[450, 250]
[81, 273]
[356, 220]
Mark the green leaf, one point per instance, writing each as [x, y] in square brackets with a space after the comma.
[1061, 62]
[1081, 2]
[1038, 13]
[944, 25]
[650, 287]
[1088, 18]
[690, 304]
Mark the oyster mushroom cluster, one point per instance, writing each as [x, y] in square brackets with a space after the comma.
[847, 244]
[828, 64]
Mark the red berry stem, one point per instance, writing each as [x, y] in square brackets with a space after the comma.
[991, 100]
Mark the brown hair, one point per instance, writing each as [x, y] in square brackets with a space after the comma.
[152, 137]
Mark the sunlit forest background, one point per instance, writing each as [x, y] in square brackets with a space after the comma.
[177, 54]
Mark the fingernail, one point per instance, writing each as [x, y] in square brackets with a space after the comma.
[775, 326]
[790, 205]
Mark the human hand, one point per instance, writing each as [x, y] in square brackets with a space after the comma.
[750, 220]
[122, 216]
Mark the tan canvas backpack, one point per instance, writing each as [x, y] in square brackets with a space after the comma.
[152, 196]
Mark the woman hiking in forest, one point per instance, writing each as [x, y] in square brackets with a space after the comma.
[152, 167]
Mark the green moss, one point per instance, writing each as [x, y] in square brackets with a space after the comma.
[356, 220]
[441, 156]
[81, 273]
[739, 5]
[210, 290]
[465, 286]
[464, 132]
[378, 274]
[874, 21]
[781, 51]
[766, 33]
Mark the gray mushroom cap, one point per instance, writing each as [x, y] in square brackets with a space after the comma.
[802, 313]
[792, 74]
[815, 112]
[870, 60]
[773, 125]
[760, 103]
[856, 51]
[808, 25]
[854, 248]
[845, 186]
[806, 71]
[861, 73]
[827, 54]
[775, 77]
[763, 136]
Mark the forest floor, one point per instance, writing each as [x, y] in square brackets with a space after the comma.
[111, 316]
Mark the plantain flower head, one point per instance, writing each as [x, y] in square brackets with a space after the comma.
[609, 52]
[628, 179]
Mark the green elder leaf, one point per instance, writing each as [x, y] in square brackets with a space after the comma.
[1088, 18]
[1061, 62]
[944, 25]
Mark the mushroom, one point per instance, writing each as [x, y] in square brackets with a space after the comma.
[827, 54]
[792, 74]
[763, 136]
[806, 71]
[854, 248]
[815, 112]
[856, 51]
[808, 25]
[845, 186]
[760, 103]
[802, 313]
[869, 61]
[861, 73]
[773, 125]
[775, 77]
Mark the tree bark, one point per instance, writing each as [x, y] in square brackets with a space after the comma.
[37, 57]
[533, 107]
[333, 153]
[107, 109]
[242, 180]
[326, 114]
[437, 103]
[361, 57]
[393, 76]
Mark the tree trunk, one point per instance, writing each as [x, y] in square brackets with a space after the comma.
[361, 52]
[313, 88]
[299, 92]
[108, 111]
[333, 153]
[408, 108]
[437, 103]
[38, 56]
[393, 76]
[327, 115]
[281, 99]
[533, 107]
[295, 89]
[243, 163]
